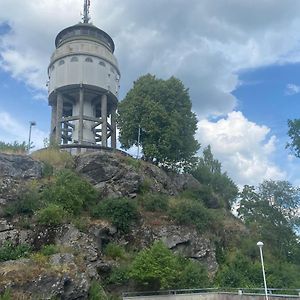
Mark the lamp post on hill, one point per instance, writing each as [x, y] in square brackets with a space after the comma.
[31, 123]
[260, 245]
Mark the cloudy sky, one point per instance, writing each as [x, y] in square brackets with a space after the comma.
[239, 59]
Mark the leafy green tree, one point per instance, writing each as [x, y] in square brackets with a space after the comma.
[208, 171]
[294, 134]
[267, 221]
[162, 109]
[283, 196]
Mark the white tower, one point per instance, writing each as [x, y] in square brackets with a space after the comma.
[83, 87]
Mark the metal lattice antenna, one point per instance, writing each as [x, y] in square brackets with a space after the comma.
[86, 11]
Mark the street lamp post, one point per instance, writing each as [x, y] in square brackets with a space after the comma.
[31, 123]
[260, 245]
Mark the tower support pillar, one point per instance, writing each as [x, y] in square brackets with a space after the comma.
[59, 113]
[80, 128]
[53, 124]
[114, 130]
[104, 120]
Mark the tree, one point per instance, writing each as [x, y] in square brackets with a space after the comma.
[267, 221]
[294, 134]
[162, 109]
[208, 171]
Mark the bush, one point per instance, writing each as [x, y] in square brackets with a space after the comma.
[122, 212]
[154, 202]
[52, 215]
[96, 292]
[114, 251]
[54, 159]
[27, 202]
[71, 192]
[189, 212]
[11, 252]
[6, 295]
[119, 275]
[48, 250]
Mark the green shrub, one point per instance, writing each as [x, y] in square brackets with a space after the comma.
[71, 192]
[122, 212]
[27, 202]
[52, 215]
[48, 250]
[189, 212]
[145, 186]
[6, 295]
[119, 275]
[114, 251]
[11, 252]
[96, 292]
[154, 202]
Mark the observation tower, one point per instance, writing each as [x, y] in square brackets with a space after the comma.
[83, 87]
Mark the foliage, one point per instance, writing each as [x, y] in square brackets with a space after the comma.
[189, 212]
[96, 292]
[239, 271]
[114, 251]
[158, 268]
[119, 275]
[208, 171]
[70, 192]
[12, 252]
[155, 267]
[162, 109]
[51, 215]
[15, 147]
[54, 159]
[154, 202]
[122, 212]
[267, 221]
[193, 275]
[294, 134]
[6, 295]
[48, 250]
[28, 201]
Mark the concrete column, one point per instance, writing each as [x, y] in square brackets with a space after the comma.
[59, 112]
[114, 130]
[80, 122]
[53, 124]
[104, 120]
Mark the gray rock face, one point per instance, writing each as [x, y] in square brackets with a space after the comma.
[29, 280]
[180, 239]
[116, 175]
[19, 166]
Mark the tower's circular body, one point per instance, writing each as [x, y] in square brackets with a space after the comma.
[82, 72]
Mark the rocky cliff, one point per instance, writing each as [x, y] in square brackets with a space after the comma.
[68, 273]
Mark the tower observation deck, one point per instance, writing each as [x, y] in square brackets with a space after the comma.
[83, 87]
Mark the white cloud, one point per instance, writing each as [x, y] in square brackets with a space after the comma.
[205, 43]
[243, 147]
[292, 89]
[11, 130]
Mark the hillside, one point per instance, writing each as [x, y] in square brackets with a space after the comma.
[74, 227]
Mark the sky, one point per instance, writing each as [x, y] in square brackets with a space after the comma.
[240, 61]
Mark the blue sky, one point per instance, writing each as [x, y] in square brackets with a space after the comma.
[239, 59]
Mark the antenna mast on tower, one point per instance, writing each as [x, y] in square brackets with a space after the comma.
[86, 11]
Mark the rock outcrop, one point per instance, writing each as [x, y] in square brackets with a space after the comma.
[116, 175]
[19, 166]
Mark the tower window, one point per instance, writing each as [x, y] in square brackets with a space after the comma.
[88, 59]
[101, 63]
[112, 70]
[61, 62]
[52, 68]
[74, 58]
